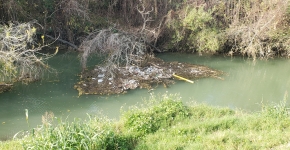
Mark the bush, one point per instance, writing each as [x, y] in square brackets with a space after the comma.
[157, 115]
[258, 28]
[195, 29]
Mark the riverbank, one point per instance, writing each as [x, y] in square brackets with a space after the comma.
[164, 122]
[5, 87]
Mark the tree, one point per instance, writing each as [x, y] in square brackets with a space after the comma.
[20, 56]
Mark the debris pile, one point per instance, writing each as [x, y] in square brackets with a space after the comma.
[154, 72]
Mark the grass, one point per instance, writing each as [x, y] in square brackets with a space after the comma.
[11, 145]
[165, 123]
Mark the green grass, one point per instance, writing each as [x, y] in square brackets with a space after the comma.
[11, 145]
[166, 123]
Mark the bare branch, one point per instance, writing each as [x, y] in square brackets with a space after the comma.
[145, 15]
[120, 48]
[19, 57]
[74, 8]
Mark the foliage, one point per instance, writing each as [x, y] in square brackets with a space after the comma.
[156, 115]
[166, 123]
[97, 133]
[278, 111]
[20, 57]
[11, 145]
[66, 18]
[195, 29]
[258, 28]
[209, 128]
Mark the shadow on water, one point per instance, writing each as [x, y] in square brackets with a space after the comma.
[245, 86]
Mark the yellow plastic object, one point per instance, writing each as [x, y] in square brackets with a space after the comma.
[179, 77]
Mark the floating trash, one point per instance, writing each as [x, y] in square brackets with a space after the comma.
[132, 77]
[100, 80]
[101, 75]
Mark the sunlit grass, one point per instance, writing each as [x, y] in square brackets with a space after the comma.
[11, 145]
[165, 123]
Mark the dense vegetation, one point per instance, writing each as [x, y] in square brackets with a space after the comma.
[256, 28]
[164, 123]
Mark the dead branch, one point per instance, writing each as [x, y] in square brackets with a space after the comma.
[145, 15]
[75, 8]
[121, 48]
[150, 34]
[19, 57]
[63, 41]
[249, 35]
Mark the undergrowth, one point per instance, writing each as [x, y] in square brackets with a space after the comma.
[165, 122]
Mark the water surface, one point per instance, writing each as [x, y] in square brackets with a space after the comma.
[245, 85]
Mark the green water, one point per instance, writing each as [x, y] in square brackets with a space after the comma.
[245, 86]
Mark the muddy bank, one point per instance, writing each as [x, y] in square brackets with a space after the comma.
[153, 72]
[5, 87]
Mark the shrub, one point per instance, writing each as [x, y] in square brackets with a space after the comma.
[194, 28]
[258, 28]
[158, 114]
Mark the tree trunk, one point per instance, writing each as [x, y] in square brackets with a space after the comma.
[156, 8]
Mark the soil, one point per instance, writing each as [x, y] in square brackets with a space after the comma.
[154, 72]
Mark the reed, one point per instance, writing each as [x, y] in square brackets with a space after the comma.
[26, 116]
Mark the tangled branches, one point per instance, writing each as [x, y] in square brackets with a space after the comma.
[75, 8]
[19, 58]
[120, 48]
[254, 33]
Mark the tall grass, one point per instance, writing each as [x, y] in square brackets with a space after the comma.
[96, 133]
[156, 114]
[165, 123]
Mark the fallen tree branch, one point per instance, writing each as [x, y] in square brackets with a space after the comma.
[63, 41]
[154, 47]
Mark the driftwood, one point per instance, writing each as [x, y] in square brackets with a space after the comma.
[154, 47]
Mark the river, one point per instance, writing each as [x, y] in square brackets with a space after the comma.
[246, 85]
